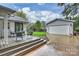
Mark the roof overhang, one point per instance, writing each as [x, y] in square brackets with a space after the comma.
[6, 10]
[60, 19]
[17, 19]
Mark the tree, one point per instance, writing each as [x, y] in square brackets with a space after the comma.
[43, 26]
[76, 24]
[70, 9]
[21, 14]
[38, 26]
[30, 28]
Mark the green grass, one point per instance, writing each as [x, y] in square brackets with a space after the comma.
[39, 34]
[77, 29]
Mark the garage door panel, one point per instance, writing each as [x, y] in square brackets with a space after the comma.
[58, 30]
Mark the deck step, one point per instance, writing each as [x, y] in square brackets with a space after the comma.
[17, 45]
[26, 51]
[15, 49]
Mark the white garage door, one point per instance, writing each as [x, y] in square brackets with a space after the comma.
[58, 30]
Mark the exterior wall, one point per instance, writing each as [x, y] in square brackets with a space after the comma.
[12, 26]
[25, 28]
[71, 29]
[5, 12]
[1, 28]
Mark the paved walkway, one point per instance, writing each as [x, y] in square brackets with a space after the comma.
[46, 50]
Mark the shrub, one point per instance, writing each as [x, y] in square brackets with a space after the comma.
[77, 29]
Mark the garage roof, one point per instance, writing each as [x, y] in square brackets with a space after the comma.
[60, 19]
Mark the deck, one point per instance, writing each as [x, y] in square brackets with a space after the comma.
[12, 41]
[68, 45]
[58, 45]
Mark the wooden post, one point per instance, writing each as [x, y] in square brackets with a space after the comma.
[6, 30]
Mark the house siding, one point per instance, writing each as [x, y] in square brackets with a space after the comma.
[12, 26]
[1, 28]
[24, 28]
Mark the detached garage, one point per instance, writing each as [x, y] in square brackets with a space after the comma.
[60, 26]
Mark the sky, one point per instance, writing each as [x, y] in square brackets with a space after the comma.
[37, 11]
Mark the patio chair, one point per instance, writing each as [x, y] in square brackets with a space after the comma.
[12, 34]
[20, 34]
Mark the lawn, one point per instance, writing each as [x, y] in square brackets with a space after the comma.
[39, 34]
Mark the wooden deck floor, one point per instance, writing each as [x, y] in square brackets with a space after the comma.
[45, 50]
[58, 45]
[68, 45]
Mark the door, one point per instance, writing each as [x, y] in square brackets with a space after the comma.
[59, 30]
[18, 26]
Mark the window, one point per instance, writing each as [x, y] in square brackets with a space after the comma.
[8, 25]
[18, 26]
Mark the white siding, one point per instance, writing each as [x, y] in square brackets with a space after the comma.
[24, 28]
[12, 26]
[1, 28]
[71, 29]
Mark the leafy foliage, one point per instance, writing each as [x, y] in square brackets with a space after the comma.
[21, 14]
[30, 29]
[70, 9]
[76, 24]
[38, 26]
